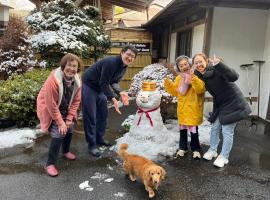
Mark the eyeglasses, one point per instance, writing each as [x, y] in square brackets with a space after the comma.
[130, 55]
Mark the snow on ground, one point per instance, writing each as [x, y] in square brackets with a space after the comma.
[204, 130]
[158, 141]
[101, 178]
[13, 137]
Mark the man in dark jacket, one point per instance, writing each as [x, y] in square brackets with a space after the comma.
[99, 85]
[230, 105]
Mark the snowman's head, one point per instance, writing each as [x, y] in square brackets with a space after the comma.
[148, 99]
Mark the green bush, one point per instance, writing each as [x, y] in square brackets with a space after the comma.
[18, 97]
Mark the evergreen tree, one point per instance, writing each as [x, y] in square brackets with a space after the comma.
[60, 26]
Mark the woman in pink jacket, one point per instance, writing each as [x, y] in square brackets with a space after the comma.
[57, 105]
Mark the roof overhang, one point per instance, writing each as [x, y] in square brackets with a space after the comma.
[177, 6]
[5, 6]
[252, 4]
[137, 5]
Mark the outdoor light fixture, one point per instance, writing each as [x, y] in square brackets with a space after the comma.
[246, 67]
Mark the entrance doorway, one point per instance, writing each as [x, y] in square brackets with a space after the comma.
[183, 43]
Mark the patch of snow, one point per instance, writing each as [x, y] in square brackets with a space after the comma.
[108, 180]
[119, 194]
[10, 138]
[99, 176]
[85, 186]
[110, 167]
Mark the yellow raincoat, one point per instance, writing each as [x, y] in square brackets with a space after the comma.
[190, 105]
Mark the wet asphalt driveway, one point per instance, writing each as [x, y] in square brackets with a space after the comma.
[246, 177]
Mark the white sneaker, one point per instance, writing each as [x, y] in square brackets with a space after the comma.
[221, 161]
[180, 153]
[196, 155]
[210, 154]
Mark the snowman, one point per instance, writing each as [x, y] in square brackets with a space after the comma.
[148, 136]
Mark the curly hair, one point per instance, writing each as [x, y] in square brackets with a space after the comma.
[70, 57]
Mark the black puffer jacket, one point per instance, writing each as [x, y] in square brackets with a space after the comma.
[229, 102]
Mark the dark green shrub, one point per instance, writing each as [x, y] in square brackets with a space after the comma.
[18, 97]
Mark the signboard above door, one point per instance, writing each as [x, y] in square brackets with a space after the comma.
[140, 46]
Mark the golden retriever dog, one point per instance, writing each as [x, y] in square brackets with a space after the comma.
[137, 166]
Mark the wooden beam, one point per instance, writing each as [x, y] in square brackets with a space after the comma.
[136, 2]
[208, 30]
[189, 26]
[252, 4]
[172, 18]
[127, 5]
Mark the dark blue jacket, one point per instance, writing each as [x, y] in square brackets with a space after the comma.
[230, 104]
[104, 75]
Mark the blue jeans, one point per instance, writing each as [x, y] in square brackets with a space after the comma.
[95, 112]
[227, 132]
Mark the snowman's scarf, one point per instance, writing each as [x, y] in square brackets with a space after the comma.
[184, 83]
[141, 111]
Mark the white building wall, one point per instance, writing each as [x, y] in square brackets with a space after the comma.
[238, 36]
[172, 51]
[6, 14]
[197, 39]
[265, 73]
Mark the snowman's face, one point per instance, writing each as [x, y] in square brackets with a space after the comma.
[148, 99]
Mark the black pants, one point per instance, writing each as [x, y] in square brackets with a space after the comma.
[55, 147]
[95, 112]
[194, 143]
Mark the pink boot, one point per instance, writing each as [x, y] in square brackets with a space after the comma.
[70, 156]
[51, 170]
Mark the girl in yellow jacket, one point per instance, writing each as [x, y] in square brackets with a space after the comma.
[189, 90]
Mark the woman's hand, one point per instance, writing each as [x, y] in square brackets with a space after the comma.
[116, 105]
[167, 81]
[68, 123]
[125, 98]
[192, 74]
[215, 60]
[62, 129]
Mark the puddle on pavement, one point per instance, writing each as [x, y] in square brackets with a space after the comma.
[253, 145]
[16, 168]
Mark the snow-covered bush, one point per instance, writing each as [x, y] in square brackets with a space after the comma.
[18, 97]
[60, 27]
[127, 122]
[155, 72]
[16, 54]
[158, 73]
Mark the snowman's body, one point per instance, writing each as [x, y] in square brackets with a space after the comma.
[148, 136]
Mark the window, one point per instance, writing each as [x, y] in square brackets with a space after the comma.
[183, 43]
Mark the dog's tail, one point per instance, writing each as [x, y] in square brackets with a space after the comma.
[122, 151]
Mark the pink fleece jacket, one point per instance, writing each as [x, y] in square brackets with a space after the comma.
[50, 97]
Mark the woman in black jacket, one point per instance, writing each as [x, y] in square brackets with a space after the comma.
[229, 105]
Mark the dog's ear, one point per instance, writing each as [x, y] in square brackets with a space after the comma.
[163, 173]
[147, 173]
